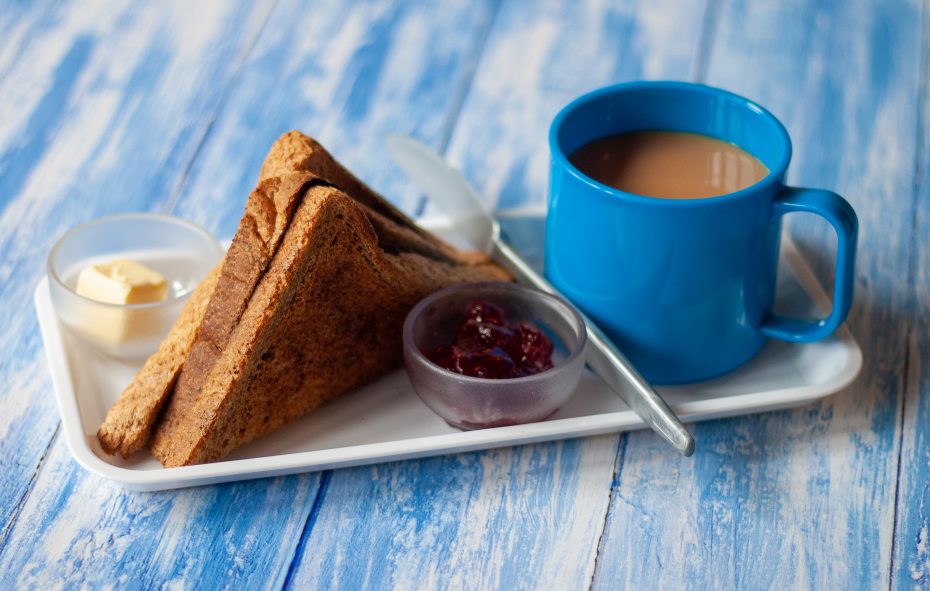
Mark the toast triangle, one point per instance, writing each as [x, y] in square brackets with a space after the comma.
[326, 319]
[308, 305]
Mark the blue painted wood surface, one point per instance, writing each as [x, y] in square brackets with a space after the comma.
[103, 109]
[911, 550]
[814, 486]
[171, 107]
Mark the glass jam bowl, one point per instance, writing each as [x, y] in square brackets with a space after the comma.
[182, 252]
[475, 402]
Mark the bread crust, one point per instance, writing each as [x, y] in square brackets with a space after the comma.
[308, 305]
[127, 427]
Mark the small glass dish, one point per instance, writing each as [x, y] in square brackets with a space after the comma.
[474, 403]
[179, 250]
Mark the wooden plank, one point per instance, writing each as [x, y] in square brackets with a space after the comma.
[515, 518]
[543, 62]
[79, 532]
[18, 24]
[103, 107]
[804, 498]
[524, 517]
[367, 66]
[911, 558]
[347, 78]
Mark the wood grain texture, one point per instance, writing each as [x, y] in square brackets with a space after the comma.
[18, 20]
[347, 77]
[911, 566]
[542, 56]
[103, 107]
[171, 106]
[90, 533]
[77, 531]
[804, 498]
[516, 518]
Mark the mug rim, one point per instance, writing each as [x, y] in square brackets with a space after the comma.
[775, 174]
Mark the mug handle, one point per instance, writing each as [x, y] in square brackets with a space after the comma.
[841, 216]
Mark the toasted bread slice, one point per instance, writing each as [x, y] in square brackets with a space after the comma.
[325, 319]
[128, 424]
[308, 305]
[296, 153]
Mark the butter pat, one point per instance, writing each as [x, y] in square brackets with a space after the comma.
[122, 282]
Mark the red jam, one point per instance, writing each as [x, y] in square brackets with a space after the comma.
[486, 345]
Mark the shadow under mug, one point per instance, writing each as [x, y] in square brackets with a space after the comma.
[684, 287]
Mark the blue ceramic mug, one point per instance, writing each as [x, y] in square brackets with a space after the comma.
[684, 287]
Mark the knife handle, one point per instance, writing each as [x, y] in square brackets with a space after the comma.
[608, 362]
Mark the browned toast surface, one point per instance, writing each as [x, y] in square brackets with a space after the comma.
[295, 152]
[326, 320]
[308, 305]
[268, 214]
[128, 424]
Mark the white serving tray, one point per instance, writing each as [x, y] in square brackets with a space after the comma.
[386, 421]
